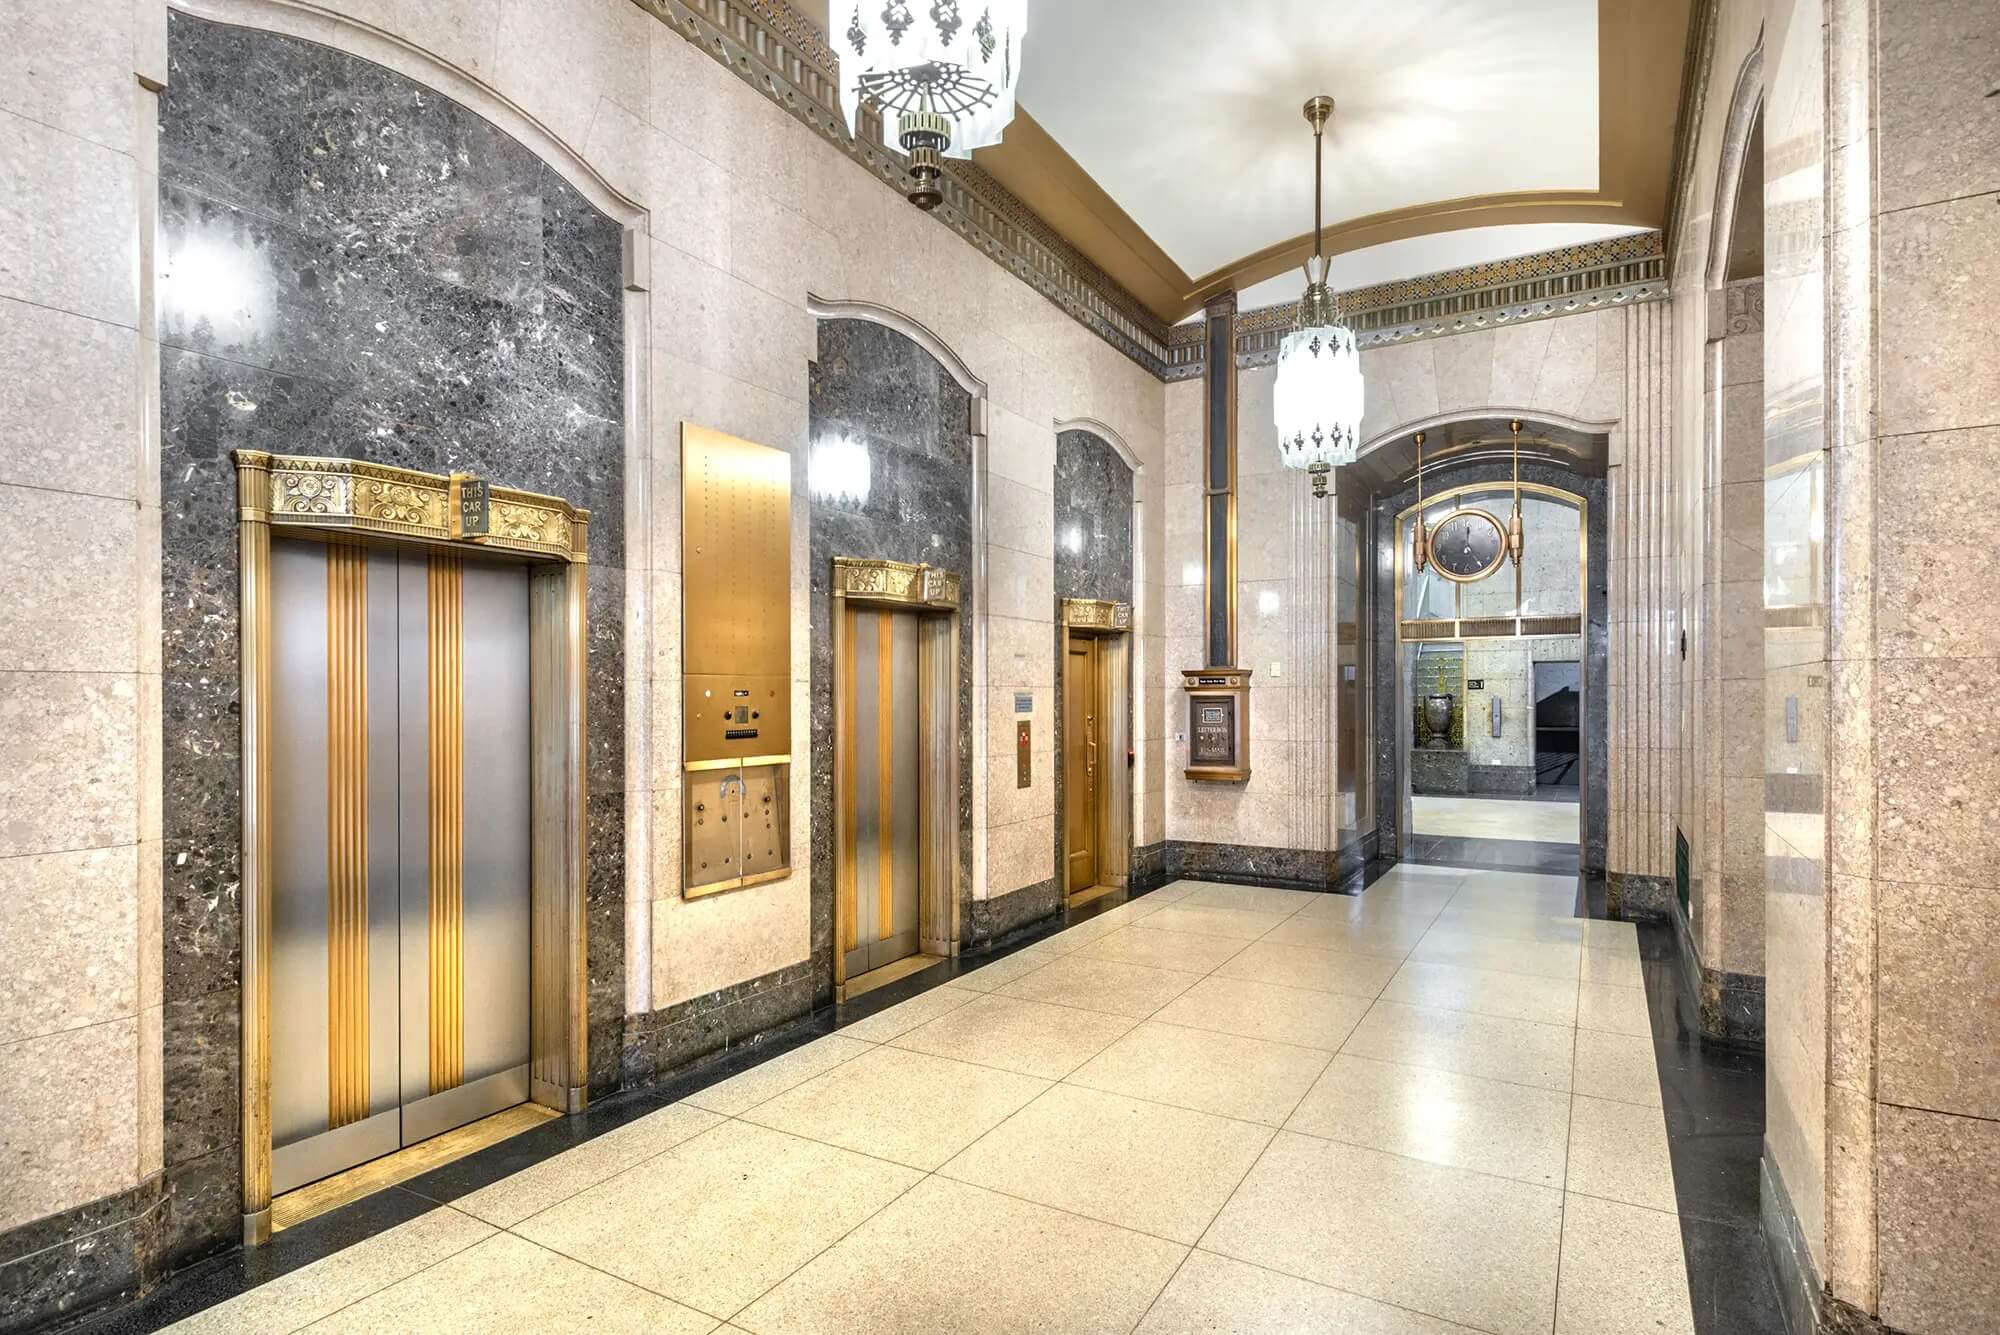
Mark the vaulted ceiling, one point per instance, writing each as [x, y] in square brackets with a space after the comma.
[1164, 138]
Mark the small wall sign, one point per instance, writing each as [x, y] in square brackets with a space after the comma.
[471, 506]
[1475, 684]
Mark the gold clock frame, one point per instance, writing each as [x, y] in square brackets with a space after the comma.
[1500, 552]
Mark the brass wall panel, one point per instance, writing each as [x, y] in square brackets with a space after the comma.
[446, 649]
[736, 549]
[347, 833]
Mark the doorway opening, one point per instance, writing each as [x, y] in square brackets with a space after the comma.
[1095, 800]
[400, 908]
[895, 771]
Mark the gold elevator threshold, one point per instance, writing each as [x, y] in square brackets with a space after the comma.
[295, 1207]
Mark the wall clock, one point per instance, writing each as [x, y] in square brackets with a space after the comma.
[1467, 545]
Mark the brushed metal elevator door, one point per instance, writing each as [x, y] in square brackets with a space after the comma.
[399, 992]
[879, 706]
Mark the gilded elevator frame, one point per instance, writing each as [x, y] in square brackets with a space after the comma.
[351, 500]
[893, 586]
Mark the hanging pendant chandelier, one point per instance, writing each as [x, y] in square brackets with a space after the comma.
[942, 74]
[1318, 398]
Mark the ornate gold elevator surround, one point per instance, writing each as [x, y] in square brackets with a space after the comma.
[358, 509]
[875, 593]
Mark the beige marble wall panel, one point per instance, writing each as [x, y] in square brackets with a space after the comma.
[1939, 1221]
[1021, 854]
[1939, 989]
[80, 612]
[73, 940]
[68, 243]
[1934, 124]
[68, 1126]
[1940, 265]
[73, 421]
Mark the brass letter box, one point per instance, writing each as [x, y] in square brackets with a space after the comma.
[1218, 723]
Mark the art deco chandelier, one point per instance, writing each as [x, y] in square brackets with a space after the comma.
[1318, 396]
[942, 74]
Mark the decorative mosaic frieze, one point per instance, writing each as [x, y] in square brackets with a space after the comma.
[1613, 272]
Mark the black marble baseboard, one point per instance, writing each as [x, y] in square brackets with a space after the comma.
[1149, 868]
[663, 1041]
[1732, 1005]
[1632, 897]
[1808, 1308]
[997, 919]
[62, 1267]
[1252, 864]
[1437, 772]
[1501, 780]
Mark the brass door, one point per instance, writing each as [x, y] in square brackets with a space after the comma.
[1083, 736]
[881, 870]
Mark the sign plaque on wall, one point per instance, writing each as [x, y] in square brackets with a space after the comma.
[471, 506]
[1218, 723]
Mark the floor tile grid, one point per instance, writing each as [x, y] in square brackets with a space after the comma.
[1098, 936]
[863, 1045]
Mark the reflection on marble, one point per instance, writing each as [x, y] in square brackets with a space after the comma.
[881, 390]
[352, 265]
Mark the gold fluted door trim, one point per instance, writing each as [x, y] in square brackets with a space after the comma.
[446, 663]
[351, 502]
[347, 834]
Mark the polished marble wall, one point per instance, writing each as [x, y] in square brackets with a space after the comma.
[716, 183]
[1093, 559]
[874, 387]
[1911, 272]
[81, 1006]
[350, 266]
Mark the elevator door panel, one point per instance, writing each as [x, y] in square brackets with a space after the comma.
[880, 706]
[400, 768]
[463, 649]
[334, 947]
[1083, 723]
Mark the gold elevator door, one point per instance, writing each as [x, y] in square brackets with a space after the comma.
[400, 855]
[881, 870]
[1083, 727]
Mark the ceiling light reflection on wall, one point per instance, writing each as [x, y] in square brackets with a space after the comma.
[840, 471]
[1318, 397]
[942, 73]
[1073, 539]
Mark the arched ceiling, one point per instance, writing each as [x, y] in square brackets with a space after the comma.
[1164, 139]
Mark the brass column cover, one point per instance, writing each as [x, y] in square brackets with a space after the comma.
[350, 501]
[347, 833]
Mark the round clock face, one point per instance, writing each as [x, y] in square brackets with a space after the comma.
[1467, 545]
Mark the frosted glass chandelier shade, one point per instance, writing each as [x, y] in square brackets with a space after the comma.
[1318, 397]
[960, 59]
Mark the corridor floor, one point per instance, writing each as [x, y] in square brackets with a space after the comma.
[1429, 1108]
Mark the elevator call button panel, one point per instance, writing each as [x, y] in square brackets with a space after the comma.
[736, 661]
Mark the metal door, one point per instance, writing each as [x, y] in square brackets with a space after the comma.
[880, 870]
[1082, 723]
[399, 982]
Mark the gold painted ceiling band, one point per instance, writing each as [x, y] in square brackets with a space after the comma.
[347, 833]
[446, 655]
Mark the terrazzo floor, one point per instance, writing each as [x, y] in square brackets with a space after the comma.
[1429, 1108]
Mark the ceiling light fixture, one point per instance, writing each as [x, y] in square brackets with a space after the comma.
[943, 81]
[1318, 398]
